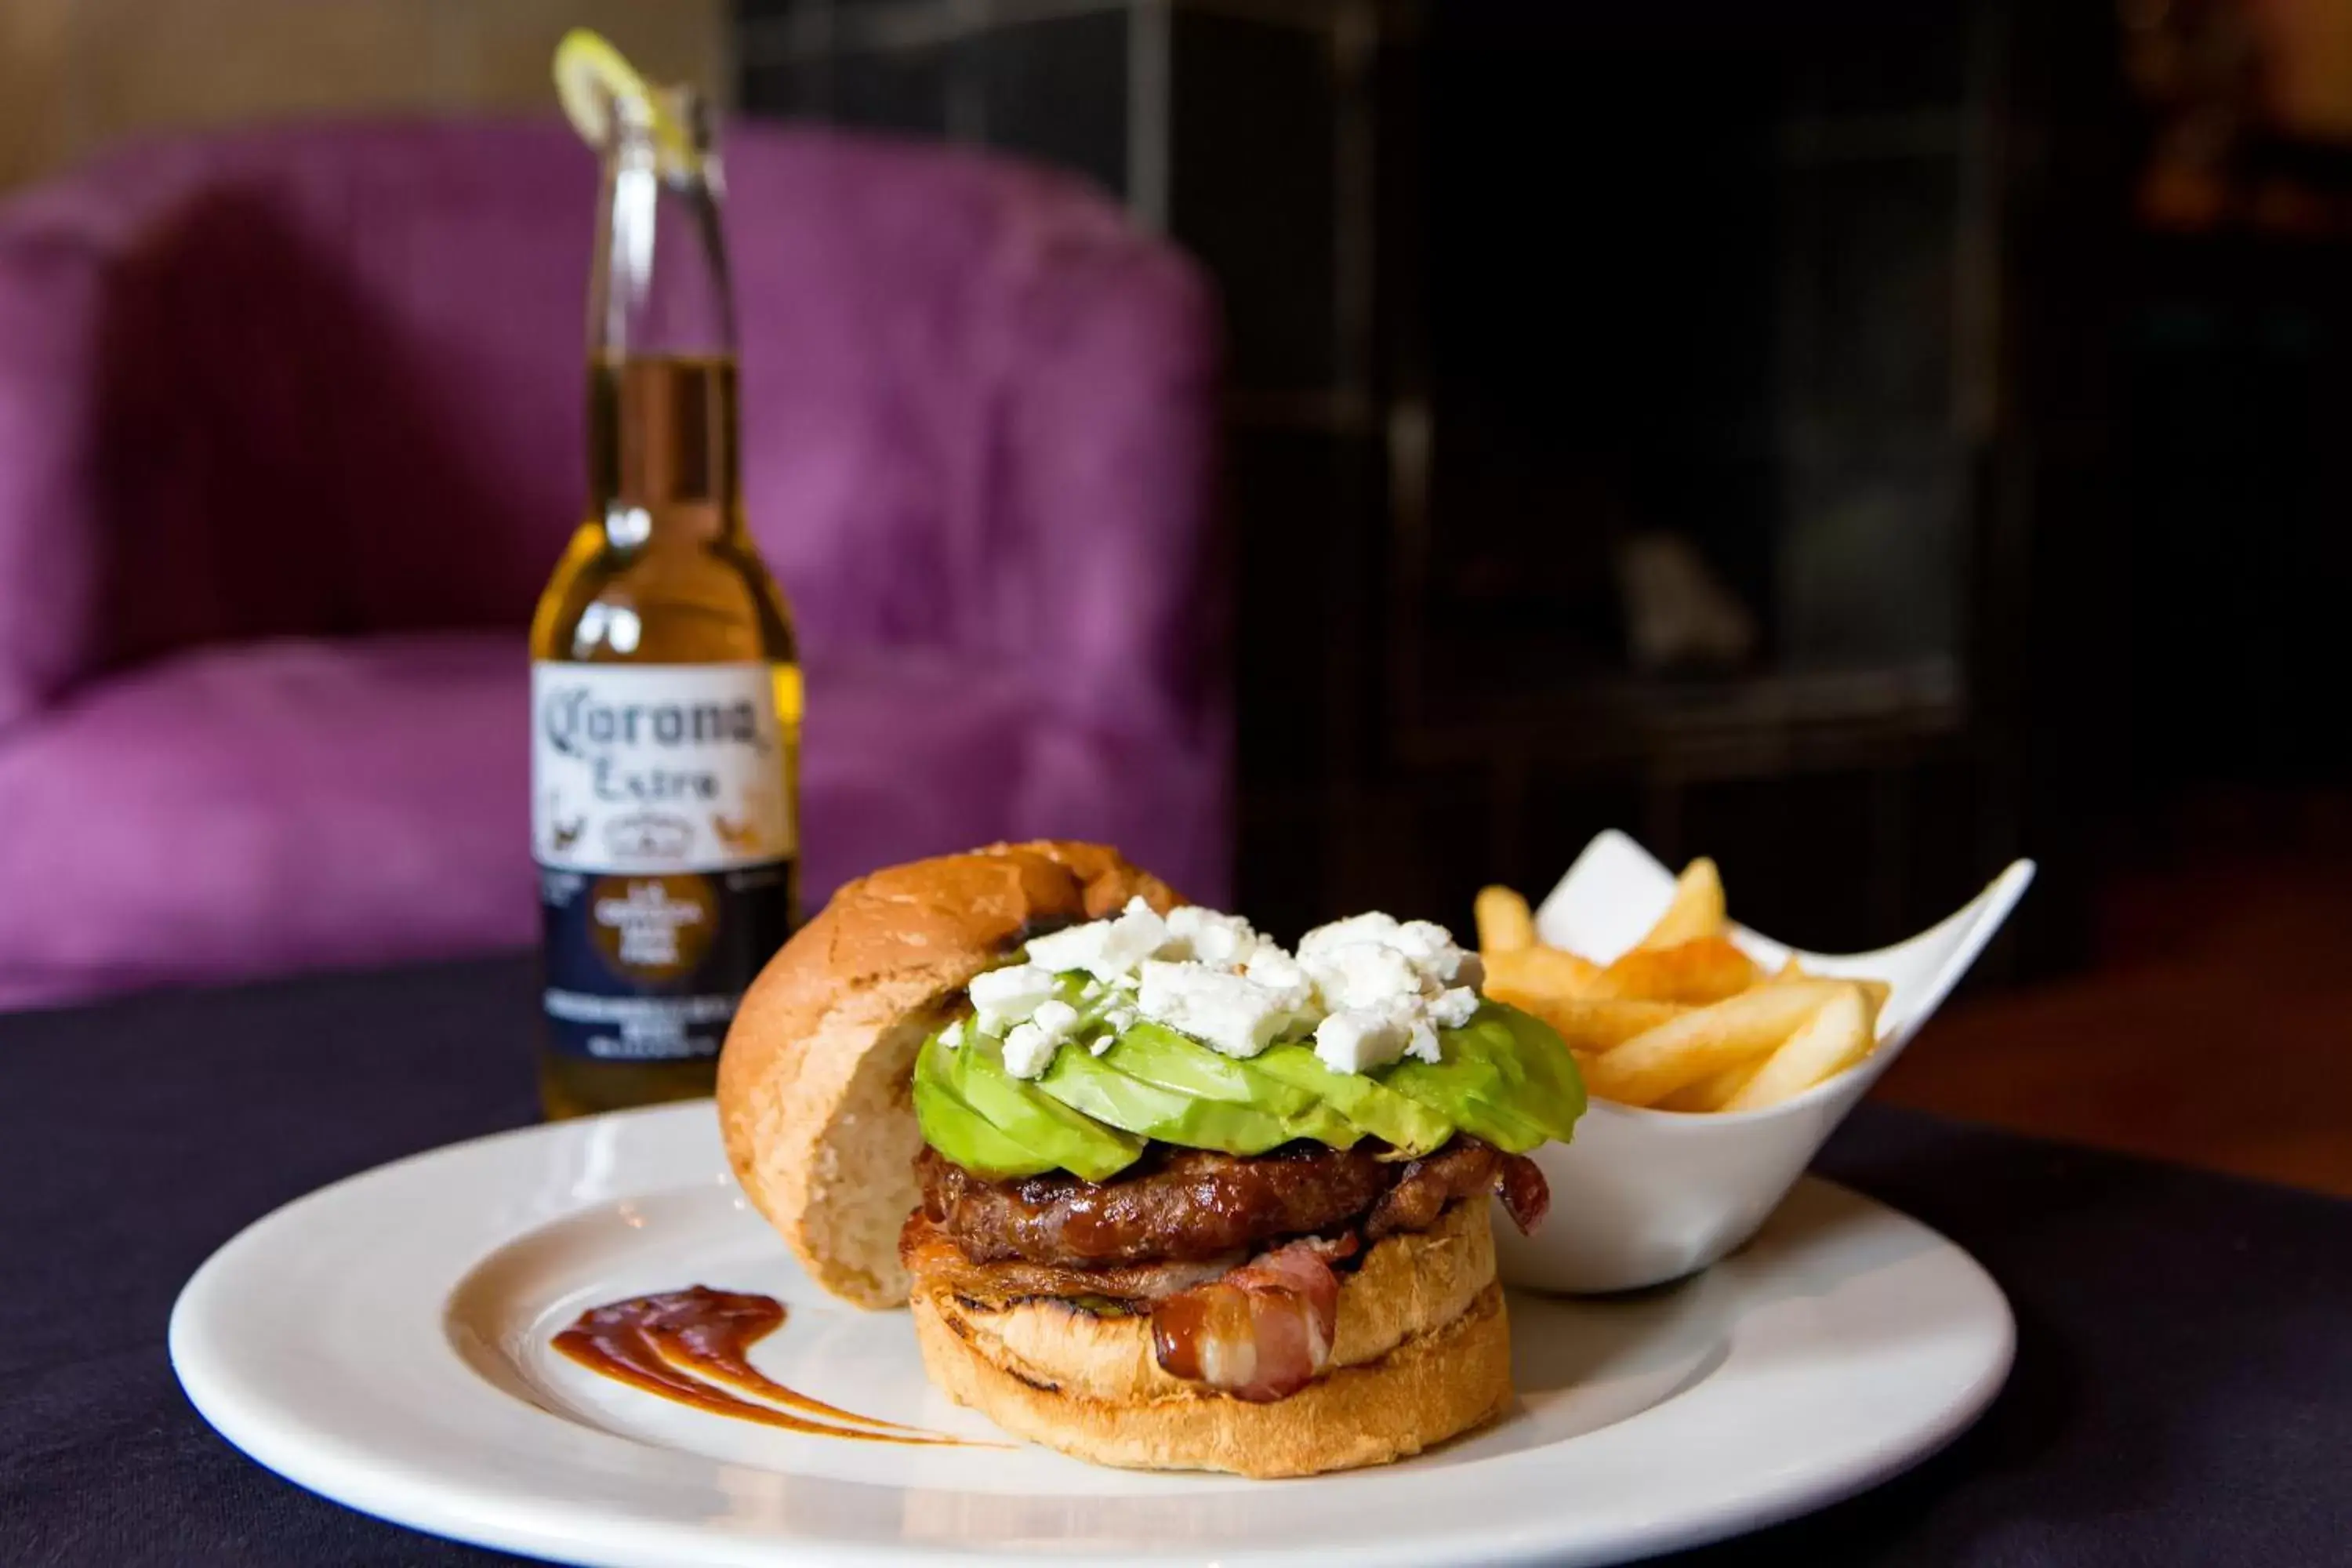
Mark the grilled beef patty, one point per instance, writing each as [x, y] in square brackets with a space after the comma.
[1197, 1205]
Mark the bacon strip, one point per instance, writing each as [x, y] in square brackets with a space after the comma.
[1526, 1195]
[1264, 1331]
[1464, 1168]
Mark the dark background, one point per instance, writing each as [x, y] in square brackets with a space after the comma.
[1991, 355]
[2025, 489]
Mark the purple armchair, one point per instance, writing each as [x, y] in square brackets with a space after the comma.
[290, 437]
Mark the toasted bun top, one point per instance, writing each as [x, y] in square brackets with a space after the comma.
[813, 1083]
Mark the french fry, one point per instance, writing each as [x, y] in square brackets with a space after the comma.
[1684, 1020]
[1832, 1040]
[1696, 910]
[1713, 1091]
[1874, 992]
[1505, 924]
[1590, 1024]
[1705, 969]
[1539, 971]
[1675, 1054]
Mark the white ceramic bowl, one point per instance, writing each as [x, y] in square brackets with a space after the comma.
[1645, 1196]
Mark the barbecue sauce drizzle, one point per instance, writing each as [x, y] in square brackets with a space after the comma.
[693, 1346]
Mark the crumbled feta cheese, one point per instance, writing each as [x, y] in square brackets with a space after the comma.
[1361, 975]
[1358, 1039]
[1105, 949]
[1369, 988]
[1026, 1050]
[1372, 926]
[1001, 997]
[1137, 935]
[1269, 965]
[1073, 947]
[1427, 946]
[1452, 1009]
[1221, 942]
[1029, 1049]
[952, 1035]
[1225, 1012]
[1280, 974]
[1432, 951]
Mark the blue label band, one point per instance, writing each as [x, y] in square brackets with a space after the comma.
[649, 966]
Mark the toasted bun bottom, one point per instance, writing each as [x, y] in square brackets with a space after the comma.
[1422, 1353]
[1422, 1393]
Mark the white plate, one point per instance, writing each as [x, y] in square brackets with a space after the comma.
[386, 1342]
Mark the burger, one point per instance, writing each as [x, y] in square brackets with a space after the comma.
[1159, 1191]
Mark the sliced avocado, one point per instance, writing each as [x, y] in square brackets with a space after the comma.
[1161, 1056]
[1542, 1087]
[1322, 1124]
[1498, 1078]
[1090, 1085]
[1465, 1092]
[959, 1133]
[1321, 1121]
[1032, 1118]
[1505, 1077]
[1413, 1128]
[957, 1130]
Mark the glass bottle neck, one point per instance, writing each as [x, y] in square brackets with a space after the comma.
[662, 445]
[661, 366]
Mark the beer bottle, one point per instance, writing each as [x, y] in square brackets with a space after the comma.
[666, 687]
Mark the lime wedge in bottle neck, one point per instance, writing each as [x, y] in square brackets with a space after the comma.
[596, 84]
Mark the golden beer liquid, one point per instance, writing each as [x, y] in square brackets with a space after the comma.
[664, 571]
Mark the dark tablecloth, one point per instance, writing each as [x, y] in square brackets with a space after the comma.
[2183, 1391]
